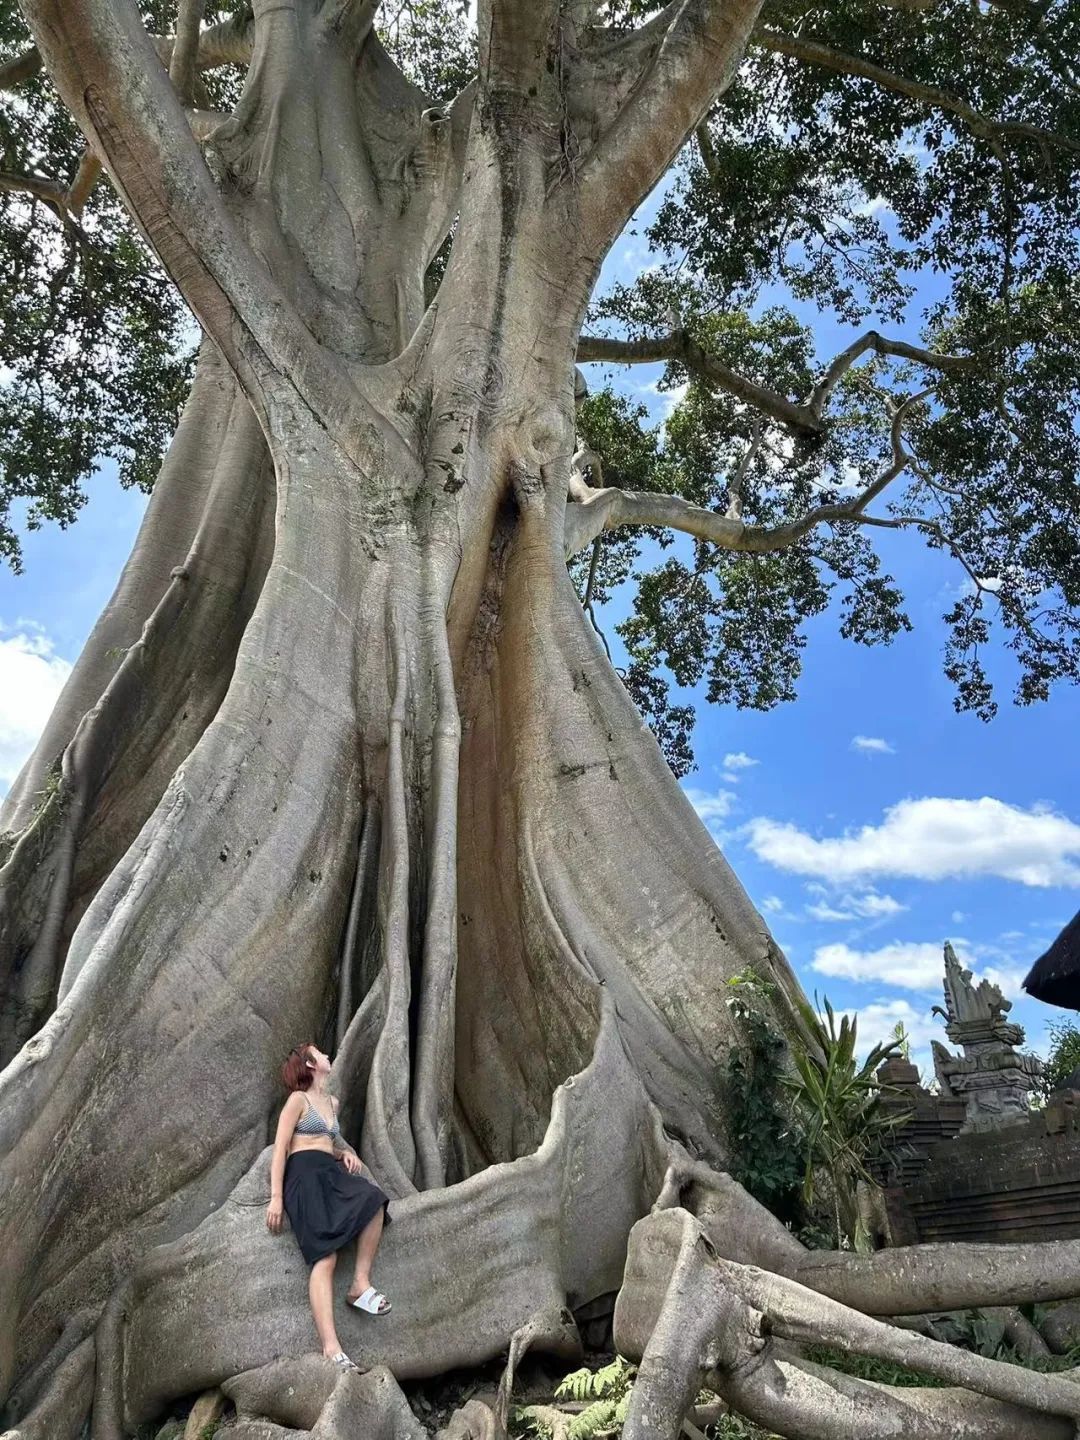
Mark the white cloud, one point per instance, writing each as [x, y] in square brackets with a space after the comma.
[909, 965]
[711, 807]
[958, 917]
[736, 761]
[878, 1021]
[31, 677]
[773, 904]
[873, 906]
[871, 745]
[933, 839]
[867, 906]
[821, 911]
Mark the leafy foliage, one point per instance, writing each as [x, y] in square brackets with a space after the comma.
[607, 1383]
[767, 1147]
[95, 344]
[838, 1103]
[820, 191]
[1064, 1056]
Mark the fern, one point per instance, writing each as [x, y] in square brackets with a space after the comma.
[601, 1415]
[608, 1383]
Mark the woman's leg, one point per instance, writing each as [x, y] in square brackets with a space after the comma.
[367, 1242]
[321, 1295]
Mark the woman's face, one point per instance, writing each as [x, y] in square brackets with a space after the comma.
[318, 1063]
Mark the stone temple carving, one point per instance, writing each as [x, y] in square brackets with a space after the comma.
[991, 1075]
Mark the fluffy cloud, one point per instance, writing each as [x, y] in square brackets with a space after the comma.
[933, 839]
[878, 1021]
[869, 906]
[711, 807]
[31, 677]
[915, 965]
[909, 965]
[735, 762]
[871, 745]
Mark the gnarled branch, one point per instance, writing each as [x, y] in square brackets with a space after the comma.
[693, 1315]
[680, 346]
[802, 419]
[184, 59]
[593, 511]
[932, 97]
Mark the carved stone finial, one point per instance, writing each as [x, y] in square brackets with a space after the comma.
[991, 1075]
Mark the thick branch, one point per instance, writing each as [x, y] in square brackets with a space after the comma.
[515, 42]
[20, 68]
[226, 43]
[904, 1280]
[681, 346]
[103, 63]
[709, 1314]
[881, 345]
[64, 200]
[182, 64]
[930, 96]
[593, 511]
[806, 419]
[85, 179]
[695, 62]
[41, 188]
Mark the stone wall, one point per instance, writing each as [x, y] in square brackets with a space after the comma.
[1017, 1184]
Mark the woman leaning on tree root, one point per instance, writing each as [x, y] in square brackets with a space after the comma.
[317, 1180]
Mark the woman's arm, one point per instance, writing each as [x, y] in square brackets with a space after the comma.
[285, 1126]
[344, 1151]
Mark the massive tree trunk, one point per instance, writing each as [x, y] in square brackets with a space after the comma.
[365, 774]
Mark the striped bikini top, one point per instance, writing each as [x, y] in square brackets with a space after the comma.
[312, 1123]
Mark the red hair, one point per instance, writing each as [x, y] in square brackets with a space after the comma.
[295, 1074]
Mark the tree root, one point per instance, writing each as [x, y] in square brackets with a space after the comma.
[905, 1280]
[61, 1411]
[470, 1264]
[475, 1420]
[692, 1315]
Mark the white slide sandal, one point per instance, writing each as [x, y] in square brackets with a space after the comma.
[372, 1302]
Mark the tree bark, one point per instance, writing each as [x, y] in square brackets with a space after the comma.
[411, 810]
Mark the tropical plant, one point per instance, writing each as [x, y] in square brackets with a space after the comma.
[609, 1389]
[766, 1145]
[1063, 1057]
[837, 1099]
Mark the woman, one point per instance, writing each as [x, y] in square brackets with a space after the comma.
[317, 1180]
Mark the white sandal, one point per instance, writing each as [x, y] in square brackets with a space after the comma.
[342, 1361]
[372, 1302]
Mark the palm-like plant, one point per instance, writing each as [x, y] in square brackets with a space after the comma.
[838, 1104]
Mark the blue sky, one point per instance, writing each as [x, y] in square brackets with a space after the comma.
[868, 821]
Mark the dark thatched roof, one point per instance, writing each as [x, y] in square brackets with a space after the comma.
[1055, 976]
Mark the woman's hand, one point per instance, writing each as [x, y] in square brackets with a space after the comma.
[274, 1216]
[351, 1163]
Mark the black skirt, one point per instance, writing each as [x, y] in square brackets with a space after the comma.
[327, 1207]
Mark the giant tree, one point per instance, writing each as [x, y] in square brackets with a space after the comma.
[345, 758]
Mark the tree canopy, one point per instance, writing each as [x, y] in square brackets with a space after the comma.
[860, 147]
